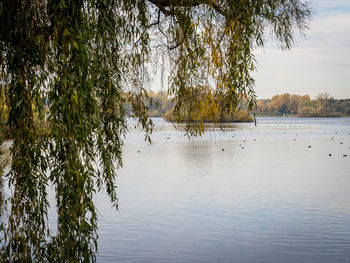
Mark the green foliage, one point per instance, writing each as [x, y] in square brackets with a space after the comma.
[75, 64]
[4, 133]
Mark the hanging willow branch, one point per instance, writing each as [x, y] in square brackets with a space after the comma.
[76, 64]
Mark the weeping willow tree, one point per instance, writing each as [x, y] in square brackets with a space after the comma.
[76, 63]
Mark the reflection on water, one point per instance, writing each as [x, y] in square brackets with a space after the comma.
[250, 194]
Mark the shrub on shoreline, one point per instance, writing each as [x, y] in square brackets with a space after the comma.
[239, 116]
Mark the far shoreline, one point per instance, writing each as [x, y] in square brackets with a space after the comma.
[297, 116]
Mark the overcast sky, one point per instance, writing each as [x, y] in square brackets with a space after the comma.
[318, 62]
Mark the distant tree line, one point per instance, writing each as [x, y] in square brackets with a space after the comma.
[303, 106]
[161, 105]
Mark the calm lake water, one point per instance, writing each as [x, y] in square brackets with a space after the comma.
[265, 193]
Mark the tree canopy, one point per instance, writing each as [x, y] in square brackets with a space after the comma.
[322, 106]
[76, 63]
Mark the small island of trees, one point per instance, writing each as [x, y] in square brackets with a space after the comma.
[203, 105]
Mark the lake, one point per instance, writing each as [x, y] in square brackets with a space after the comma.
[249, 194]
[265, 193]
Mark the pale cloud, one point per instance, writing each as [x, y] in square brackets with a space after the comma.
[321, 6]
[320, 62]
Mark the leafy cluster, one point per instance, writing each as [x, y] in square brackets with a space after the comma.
[75, 63]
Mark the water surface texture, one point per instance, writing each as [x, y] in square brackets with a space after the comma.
[275, 192]
[270, 193]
